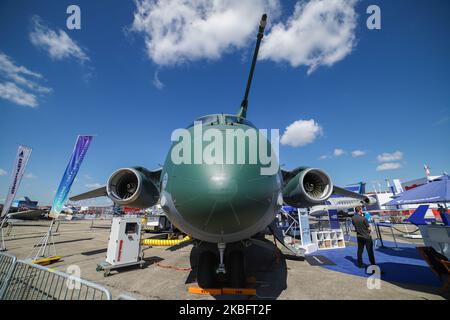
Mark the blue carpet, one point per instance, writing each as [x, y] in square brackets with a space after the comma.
[403, 266]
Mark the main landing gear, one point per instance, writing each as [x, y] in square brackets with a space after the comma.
[222, 267]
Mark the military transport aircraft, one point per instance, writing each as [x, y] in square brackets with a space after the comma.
[221, 206]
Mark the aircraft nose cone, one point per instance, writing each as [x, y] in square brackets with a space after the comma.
[222, 187]
[221, 199]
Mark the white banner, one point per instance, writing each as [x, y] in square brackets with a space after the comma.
[23, 154]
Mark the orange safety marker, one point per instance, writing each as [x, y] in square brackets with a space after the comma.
[243, 291]
[212, 292]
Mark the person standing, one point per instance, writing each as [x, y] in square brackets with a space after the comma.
[363, 236]
[368, 216]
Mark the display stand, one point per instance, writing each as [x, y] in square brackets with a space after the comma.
[328, 239]
[45, 247]
[3, 246]
[297, 234]
[305, 232]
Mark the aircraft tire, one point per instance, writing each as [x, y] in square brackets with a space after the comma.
[236, 269]
[206, 270]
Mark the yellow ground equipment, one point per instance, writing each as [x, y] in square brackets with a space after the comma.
[164, 242]
[46, 261]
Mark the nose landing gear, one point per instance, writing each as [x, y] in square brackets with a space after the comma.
[221, 268]
[227, 269]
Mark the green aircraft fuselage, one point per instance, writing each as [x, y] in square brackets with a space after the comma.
[223, 201]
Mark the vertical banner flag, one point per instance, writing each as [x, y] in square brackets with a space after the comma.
[23, 154]
[76, 159]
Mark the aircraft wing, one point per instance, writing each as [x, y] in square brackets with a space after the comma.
[346, 193]
[288, 175]
[100, 192]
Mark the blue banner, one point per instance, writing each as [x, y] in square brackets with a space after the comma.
[334, 220]
[78, 154]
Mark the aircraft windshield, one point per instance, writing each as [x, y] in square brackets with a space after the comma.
[207, 120]
[235, 120]
[230, 120]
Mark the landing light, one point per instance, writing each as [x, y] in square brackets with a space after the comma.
[219, 178]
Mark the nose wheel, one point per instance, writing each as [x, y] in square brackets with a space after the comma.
[227, 271]
[206, 270]
[236, 266]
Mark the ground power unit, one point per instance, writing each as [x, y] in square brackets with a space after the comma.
[124, 246]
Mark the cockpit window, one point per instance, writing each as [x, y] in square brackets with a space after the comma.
[207, 120]
[237, 120]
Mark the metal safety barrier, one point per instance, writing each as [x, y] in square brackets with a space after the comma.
[124, 296]
[7, 263]
[29, 281]
[19, 229]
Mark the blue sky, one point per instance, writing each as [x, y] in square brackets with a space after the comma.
[388, 92]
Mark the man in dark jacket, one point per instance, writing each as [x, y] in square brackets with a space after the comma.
[364, 238]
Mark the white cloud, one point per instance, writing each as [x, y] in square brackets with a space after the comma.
[30, 176]
[58, 44]
[324, 157]
[13, 93]
[301, 133]
[19, 84]
[390, 157]
[358, 153]
[389, 166]
[338, 152]
[157, 83]
[181, 30]
[3, 172]
[18, 74]
[319, 32]
[88, 177]
[93, 185]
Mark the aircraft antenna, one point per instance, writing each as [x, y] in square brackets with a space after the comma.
[262, 25]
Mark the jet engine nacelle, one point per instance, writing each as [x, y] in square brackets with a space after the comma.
[133, 188]
[309, 187]
[368, 201]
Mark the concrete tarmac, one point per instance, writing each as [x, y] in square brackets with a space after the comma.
[165, 277]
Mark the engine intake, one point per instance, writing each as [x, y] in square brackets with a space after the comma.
[131, 187]
[309, 187]
[369, 201]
